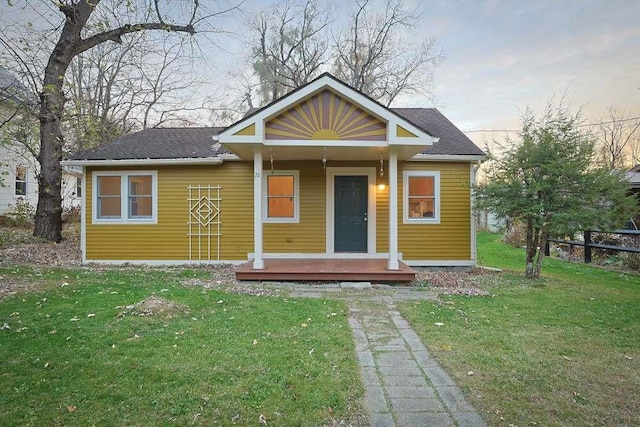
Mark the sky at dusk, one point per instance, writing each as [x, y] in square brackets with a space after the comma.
[501, 56]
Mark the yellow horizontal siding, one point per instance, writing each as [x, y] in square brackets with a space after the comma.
[382, 214]
[167, 240]
[451, 238]
[307, 236]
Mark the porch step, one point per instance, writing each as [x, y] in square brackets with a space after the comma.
[329, 270]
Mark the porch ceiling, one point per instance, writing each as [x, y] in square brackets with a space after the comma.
[293, 150]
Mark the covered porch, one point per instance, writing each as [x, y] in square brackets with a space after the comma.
[325, 121]
[329, 270]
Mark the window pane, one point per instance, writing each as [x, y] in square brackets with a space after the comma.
[140, 207]
[108, 186]
[78, 187]
[280, 185]
[108, 191]
[21, 173]
[109, 207]
[421, 208]
[140, 198]
[280, 207]
[421, 185]
[140, 185]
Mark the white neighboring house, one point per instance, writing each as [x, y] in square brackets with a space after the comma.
[71, 187]
[18, 168]
[18, 178]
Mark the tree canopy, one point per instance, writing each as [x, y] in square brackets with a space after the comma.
[547, 182]
[78, 27]
[294, 41]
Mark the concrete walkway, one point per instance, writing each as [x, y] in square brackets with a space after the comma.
[404, 385]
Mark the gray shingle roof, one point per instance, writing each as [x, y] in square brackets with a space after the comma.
[177, 143]
[432, 121]
[157, 143]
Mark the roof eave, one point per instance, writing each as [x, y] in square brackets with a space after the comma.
[447, 158]
[142, 162]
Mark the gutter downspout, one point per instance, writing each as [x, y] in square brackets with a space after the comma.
[474, 241]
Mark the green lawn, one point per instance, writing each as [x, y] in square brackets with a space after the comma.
[562, 350]
[69, 358]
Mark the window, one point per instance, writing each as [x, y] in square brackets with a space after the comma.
[125, 197]
[281, 196]
[78, 187]
[21, 180]
[140, 197]
[108, 190]
[421, 197]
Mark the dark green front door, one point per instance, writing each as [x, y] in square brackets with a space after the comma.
[350, 214]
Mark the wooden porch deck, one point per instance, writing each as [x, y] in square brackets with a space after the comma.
[355, 270]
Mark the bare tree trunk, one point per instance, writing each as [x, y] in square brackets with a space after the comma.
[533, 238]
[48, 218]
[541, 245]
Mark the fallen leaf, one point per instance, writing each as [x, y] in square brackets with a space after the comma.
[255, 342]
[311, 351]
[74, 319]
[304, 325]
[566, 358]
[262, 419]
[91, 315]
[71, 408]
[628, 357]
[470, 373]
[439, 324]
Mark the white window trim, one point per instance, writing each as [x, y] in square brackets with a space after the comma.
[124, 197]
[296, 196]
[406, 219]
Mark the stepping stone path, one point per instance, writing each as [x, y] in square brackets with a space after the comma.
[404, 385]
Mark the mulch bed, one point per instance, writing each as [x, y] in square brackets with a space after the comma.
[67, 254]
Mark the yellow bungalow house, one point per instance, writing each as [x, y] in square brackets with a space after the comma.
[323, 180]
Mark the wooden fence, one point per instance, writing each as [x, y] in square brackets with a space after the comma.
[589, 245]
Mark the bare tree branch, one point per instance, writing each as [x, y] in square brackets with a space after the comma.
[373, 56]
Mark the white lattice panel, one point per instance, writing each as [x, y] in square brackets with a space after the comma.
[204, 222]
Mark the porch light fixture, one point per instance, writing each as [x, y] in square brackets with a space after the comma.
[271, 157]
[381, 166]
[324, 160]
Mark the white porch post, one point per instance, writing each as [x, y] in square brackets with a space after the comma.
[258, 262]
[393, 210]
